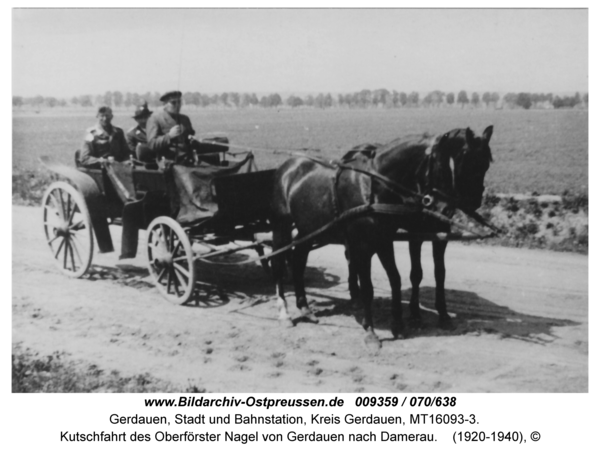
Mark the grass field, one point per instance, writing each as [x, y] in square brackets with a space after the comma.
[534, 150]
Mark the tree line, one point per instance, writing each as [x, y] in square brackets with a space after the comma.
[380, 98]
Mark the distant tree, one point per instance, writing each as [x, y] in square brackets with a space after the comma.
[320, 101]
[264, 101]
[328, 101]
[107, 99]
[586, 98]
[37, 100]
[245, 100]
[188, 98]
[309, 100]
[450, 99]
[510, 99]
[128, 102]
[224, 99]
[253, 99]
[85, 100]
[75, 100]
[475, 98]
[136, 100]
[117, 98]
[275, 100]
[51, 101]
[235, 99]
[17, 101]
[294, 101]
[403, 98]
[462, 98]
[524, 100]
[413, 98]
[486, 98]
[494, 98]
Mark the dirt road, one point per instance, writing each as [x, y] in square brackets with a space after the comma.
[521, 321]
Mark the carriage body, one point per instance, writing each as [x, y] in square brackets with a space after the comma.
[78, 211]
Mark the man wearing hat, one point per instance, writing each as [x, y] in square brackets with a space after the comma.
[169, 132]
[103, 142]
[136, 136]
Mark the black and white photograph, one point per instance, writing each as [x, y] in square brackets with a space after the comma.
[300, 200]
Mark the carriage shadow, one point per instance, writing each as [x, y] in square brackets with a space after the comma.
[472, 314]
[218, 283]
[248, 284]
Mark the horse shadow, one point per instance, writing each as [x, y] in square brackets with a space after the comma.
[471, 314]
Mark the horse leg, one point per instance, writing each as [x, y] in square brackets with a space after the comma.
[416, 276]
[362, 261]
[388, 261]
[281, 237]
[299, 259]
[352, 279]
[439, 249]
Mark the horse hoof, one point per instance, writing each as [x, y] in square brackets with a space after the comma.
[398, 331]
[372, 343]
[309, 316]
[286, 322]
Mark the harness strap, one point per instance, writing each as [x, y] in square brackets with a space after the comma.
[354, 212]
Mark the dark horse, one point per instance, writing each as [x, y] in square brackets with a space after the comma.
[471, 158]
[309, 195]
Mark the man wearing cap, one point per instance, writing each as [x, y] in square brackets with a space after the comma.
[169, 132]
[136, 136]
[104, 141]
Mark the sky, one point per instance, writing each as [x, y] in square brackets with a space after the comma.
[69, 52]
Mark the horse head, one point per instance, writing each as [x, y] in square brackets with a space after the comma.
[421, 165]
[470, 160]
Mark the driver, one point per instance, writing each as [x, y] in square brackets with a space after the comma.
[169, 132]
[103, 142]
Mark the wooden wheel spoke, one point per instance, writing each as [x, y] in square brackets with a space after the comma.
[176, 248]
[66, 253]
[78, 226]
[181, 270]
[53, 239]
[171, 240]
[72, 214]
[62, 204]
[71, 248]
[59, 249]
[164, 235]
[161, 274]
[169, 280]
[74, 243]
[175, 281]
[180, 259]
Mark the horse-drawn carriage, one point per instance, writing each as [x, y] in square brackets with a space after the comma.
[208, 205]
[415, 183]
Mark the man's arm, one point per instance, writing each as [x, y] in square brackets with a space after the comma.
[157, 140]
[131, 141]
[123, 152]
[88, 157]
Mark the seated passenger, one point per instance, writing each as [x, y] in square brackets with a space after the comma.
[171, 135]
[136, 136]
[169, 131]
[103, 142]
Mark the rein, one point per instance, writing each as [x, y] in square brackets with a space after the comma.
[392, 186]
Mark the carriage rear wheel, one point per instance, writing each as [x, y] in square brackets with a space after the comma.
[171, 260]
[68, 229]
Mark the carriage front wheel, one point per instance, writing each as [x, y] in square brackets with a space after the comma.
[171, 260]
[68, 229]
